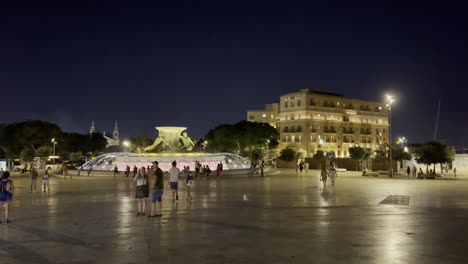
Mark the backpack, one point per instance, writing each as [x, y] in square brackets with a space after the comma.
[5, 186]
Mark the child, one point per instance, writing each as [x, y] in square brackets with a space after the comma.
[6, 193]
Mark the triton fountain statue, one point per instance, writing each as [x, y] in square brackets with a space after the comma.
[173, 143]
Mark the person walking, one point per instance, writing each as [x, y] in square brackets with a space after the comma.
[306, 167]
[158, 190]
[414, 171]
[174, 180]
[116, 170]
[34, 176]
[65, 170]
[90, 170]
[6, 194]
[454, 172]
[333, 175]
[301, 167]
[142, 190]
[188, 182]
[127, 171]
[135, 171]
[45, 181]
[408, 171]
[323, 177]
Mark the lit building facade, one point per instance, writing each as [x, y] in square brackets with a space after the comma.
[312, 120]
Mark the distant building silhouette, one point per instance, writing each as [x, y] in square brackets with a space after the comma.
[111, 141]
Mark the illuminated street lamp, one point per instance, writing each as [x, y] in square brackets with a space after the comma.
[402, 141]
[126, 145]
[54, 142]
[389, 100]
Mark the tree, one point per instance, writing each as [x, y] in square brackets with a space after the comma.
[288, 155]
[141, 142]
[319, 156]
[256, 155]
[359, 154]
[74, 156]
[27, 155]
[433, 152]
[242, 136]
[44, 151]
[15, 137]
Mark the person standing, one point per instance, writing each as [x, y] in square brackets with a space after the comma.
[135, 171]
[414, 171]
[262, 166]
[142, 190]
[116, 170]
[80, 169]
[301, 167]
[197, 168]
[90, 170]
[306, 167]
[408, 171]
[45, 181]
[65, 170]
[6, 193]
[158, 190]
[174, 180]
[333, 175]
[323, 177]
[127, 171]
[34, 176]
[454, 172]
[207, 172]
[188, 182]
[218, 169]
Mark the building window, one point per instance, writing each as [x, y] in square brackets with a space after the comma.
[293, 138]
[286, 104]
[272, 116]
[299, 129]
[299, 138]
[312, 102]
[299, 102]
[286, 129]
[251, 117]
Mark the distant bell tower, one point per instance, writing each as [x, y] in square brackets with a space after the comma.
[115, 134]
[92, 129]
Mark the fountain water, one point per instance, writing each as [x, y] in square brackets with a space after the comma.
[171, 141]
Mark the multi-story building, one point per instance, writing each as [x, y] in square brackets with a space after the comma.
[312, 120]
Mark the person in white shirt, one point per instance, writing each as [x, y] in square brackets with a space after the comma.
[333, 175]
[173, 180]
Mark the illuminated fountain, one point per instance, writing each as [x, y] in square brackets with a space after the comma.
[173, 144]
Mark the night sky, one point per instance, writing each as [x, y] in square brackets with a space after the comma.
[199, 66]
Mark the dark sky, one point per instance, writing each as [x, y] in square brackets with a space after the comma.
[198, 65]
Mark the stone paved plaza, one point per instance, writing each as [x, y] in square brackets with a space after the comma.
[283, 218]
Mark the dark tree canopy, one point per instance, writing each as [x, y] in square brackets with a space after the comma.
[287, 154]
[242, 136]
[433, 152]
[35, 134]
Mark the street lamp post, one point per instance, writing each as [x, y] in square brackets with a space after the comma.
[390, 100]
[53, 145]
[126, 144]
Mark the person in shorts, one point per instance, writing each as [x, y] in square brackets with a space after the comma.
[6, 193]
[174, 180]
[34, 176]
[158, 190]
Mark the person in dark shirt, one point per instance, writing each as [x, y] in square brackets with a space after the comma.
[158, 189]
